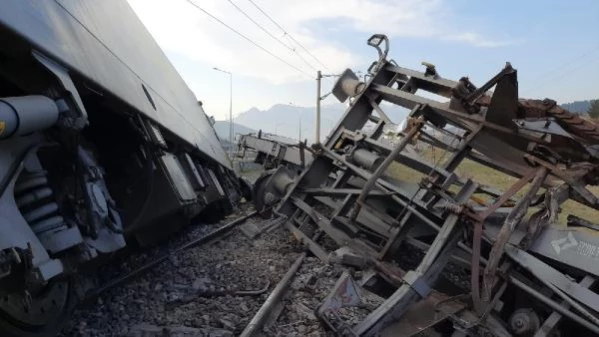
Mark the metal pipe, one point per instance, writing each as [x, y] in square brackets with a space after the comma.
[379, 171]
[273, 299]
[366, 159]
[26, 114]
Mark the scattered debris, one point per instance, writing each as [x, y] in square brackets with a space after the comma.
[394, 255]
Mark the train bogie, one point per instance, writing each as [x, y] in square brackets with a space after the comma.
[101, 144]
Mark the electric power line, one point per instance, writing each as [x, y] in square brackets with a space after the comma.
[247, 38]
[561, 75]
[271, 35]
[551, 74]
[287, 34]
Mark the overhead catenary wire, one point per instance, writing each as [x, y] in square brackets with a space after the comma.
[271, 35]
[288, 35]
[561, 75]
[570, 62]
[557, 72]
[248, 39]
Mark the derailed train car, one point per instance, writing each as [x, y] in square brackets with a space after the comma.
[101, 144]
[440, 253]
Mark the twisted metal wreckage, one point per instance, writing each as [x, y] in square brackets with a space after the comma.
[271, 151]
[529, 276]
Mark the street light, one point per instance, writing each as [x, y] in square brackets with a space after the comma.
[230, 109]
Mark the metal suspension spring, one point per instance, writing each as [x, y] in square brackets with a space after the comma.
[35, 200]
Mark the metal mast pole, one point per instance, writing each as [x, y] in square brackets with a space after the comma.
[231, 133]
[317, 132]
[230, 109]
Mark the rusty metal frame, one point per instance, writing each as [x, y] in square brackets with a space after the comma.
[361, 206]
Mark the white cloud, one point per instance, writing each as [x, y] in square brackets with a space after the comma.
[477, 40]
[180, 28]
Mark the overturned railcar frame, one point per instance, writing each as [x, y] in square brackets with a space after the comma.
[101, 141]
[509, 242]
[271, 153]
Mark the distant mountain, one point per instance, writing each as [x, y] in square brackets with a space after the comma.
[285, 120]
[580, 107]
[222, 129]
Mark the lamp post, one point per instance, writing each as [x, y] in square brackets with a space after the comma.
[230, 109]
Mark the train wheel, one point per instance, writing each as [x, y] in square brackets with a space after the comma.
[37, 314]
[259, 194]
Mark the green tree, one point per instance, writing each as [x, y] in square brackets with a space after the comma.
[594, 109]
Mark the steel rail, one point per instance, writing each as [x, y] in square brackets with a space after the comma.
[257, 322]
[150, 265]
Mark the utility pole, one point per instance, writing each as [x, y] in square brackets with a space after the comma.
[318, 99]
[231, 133]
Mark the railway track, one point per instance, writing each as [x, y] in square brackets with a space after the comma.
[212, 235]
[267, 285]
[209, 286]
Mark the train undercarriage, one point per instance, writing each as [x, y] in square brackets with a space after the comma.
[94, 155]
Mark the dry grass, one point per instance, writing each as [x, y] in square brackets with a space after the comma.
[489, 177]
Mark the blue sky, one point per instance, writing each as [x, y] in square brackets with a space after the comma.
[553, 44]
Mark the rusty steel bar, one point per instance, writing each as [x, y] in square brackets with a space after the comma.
[477, 236]
[255, 325]
[512, 220]
[379, 171]
[507, 195]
